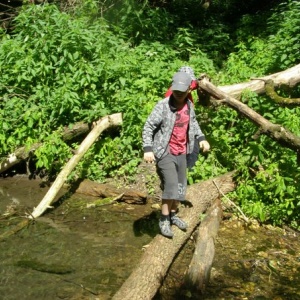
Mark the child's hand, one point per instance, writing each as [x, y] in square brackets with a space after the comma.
[149, 157]
[205, 146]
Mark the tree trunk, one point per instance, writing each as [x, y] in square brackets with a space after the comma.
[147, 277]
[276, 132]
[199, 269]
[91, 188]
[289, 77]
[102, 124]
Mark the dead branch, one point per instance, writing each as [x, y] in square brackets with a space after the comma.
[270, 91]
[15, 229]
[275, 131]
[101, 125]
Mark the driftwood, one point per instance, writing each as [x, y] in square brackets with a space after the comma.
[147, 277]
[289, 77]
[277, 132]
[69, 133]
[198, 273]
[101, 125]
[102, 190]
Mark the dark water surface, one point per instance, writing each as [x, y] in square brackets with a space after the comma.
[76, 251]
[81, 250]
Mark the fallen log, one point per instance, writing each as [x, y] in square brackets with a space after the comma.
[198, 273]
[147, 277]
[275, 131]
[91, 188]
[101, 125]
[69, 133]
[20, 154]
[290, 77]
[9, 162]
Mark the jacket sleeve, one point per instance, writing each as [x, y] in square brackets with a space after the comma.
[152, 124]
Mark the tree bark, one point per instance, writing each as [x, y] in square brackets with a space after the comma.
[275, 131]
[102, 124]
[147, 277]
[289, 77]
[199, 269]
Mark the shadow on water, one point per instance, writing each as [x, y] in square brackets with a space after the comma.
[147, 225]
[81, 250]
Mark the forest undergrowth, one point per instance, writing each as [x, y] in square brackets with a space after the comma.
[66, 64]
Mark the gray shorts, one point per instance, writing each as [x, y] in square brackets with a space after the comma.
[172, 172]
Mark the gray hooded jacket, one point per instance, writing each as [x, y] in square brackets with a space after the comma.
[159, 126]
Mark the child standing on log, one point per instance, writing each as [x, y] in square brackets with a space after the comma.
[192, 157]
[169, 135]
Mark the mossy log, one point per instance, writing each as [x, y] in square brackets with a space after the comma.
[148, 275]
[270, 91]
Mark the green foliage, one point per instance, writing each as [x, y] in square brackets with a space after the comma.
[58, 68]
[53, 153]
[184, 41]
[206, 167]
[268, 174]
[285, 22]
[256, 56]
[140, 23]
[250, 60]
[269, 193]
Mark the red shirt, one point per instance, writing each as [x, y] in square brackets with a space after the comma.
[178, 139]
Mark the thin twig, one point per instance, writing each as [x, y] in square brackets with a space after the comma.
[232, 203]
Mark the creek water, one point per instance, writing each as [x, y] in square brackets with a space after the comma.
[83, 250]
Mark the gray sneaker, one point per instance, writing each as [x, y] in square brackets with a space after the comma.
[165, 228]
[178, 222]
